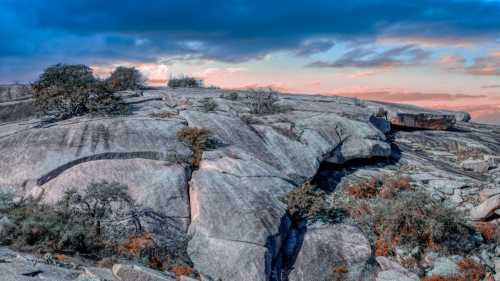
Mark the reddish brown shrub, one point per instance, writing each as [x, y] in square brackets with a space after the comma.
[364, 189]
[338, 272]
[471, 270]
[487, 230]
[135, 244]
[383, 248]
[391, 187]
[182, 270]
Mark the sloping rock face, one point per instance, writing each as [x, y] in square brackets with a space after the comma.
[231, 205]
[327, 247]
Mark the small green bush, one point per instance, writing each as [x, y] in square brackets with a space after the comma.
[65, 91]
[185, 82]
[125, 78]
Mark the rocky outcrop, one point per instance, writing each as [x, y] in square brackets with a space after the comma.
[231, 205]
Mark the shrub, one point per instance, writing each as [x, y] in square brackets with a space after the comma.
[337, 273]
[309, 203]
[414, 218]
[99, 201]
[125, 78]
[208, 104]
[488, 231]
[73, 224]
[383, 187]
[263, 101]
[185, 82]
[70, 90]
[198, 139]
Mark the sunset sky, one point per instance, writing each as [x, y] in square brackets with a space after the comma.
[431, 52]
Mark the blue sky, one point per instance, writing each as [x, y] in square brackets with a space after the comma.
[327, 47]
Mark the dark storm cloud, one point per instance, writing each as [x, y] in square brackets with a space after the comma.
[365, 57]
[229, 30]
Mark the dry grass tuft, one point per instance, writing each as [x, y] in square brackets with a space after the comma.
[338, 273]
[197, 139]
[488, 231]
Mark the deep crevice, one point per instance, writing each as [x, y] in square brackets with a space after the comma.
[327, 178]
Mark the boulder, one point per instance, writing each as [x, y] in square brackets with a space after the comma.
[486, 209]
[429, 121]
[327, 246]
[125, 272]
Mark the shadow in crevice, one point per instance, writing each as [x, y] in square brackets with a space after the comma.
[329, 175]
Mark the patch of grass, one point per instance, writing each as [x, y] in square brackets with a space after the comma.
[198, 139]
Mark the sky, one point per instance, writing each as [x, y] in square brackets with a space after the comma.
[431, 53]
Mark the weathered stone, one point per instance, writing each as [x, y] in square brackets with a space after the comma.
[134, 273]
[445, 266]
[393, 275]
[486, 209]
[394, 268]
[327, 246]
[446, 186]
[478, 166]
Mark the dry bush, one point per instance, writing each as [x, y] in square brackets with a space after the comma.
[137, 243]
[263, 101]
[182, 270]
[488, 231]
[185, 82]
[125, 78]
[198, 139]
[383, 248]
[308, 203]
[208, 104]
[338, 273]
[384, 187]
[469, 271]
[364, 189]
[163, 114]
[414, 218]
[65, 91]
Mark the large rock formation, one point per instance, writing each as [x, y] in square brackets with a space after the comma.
[231, 205]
